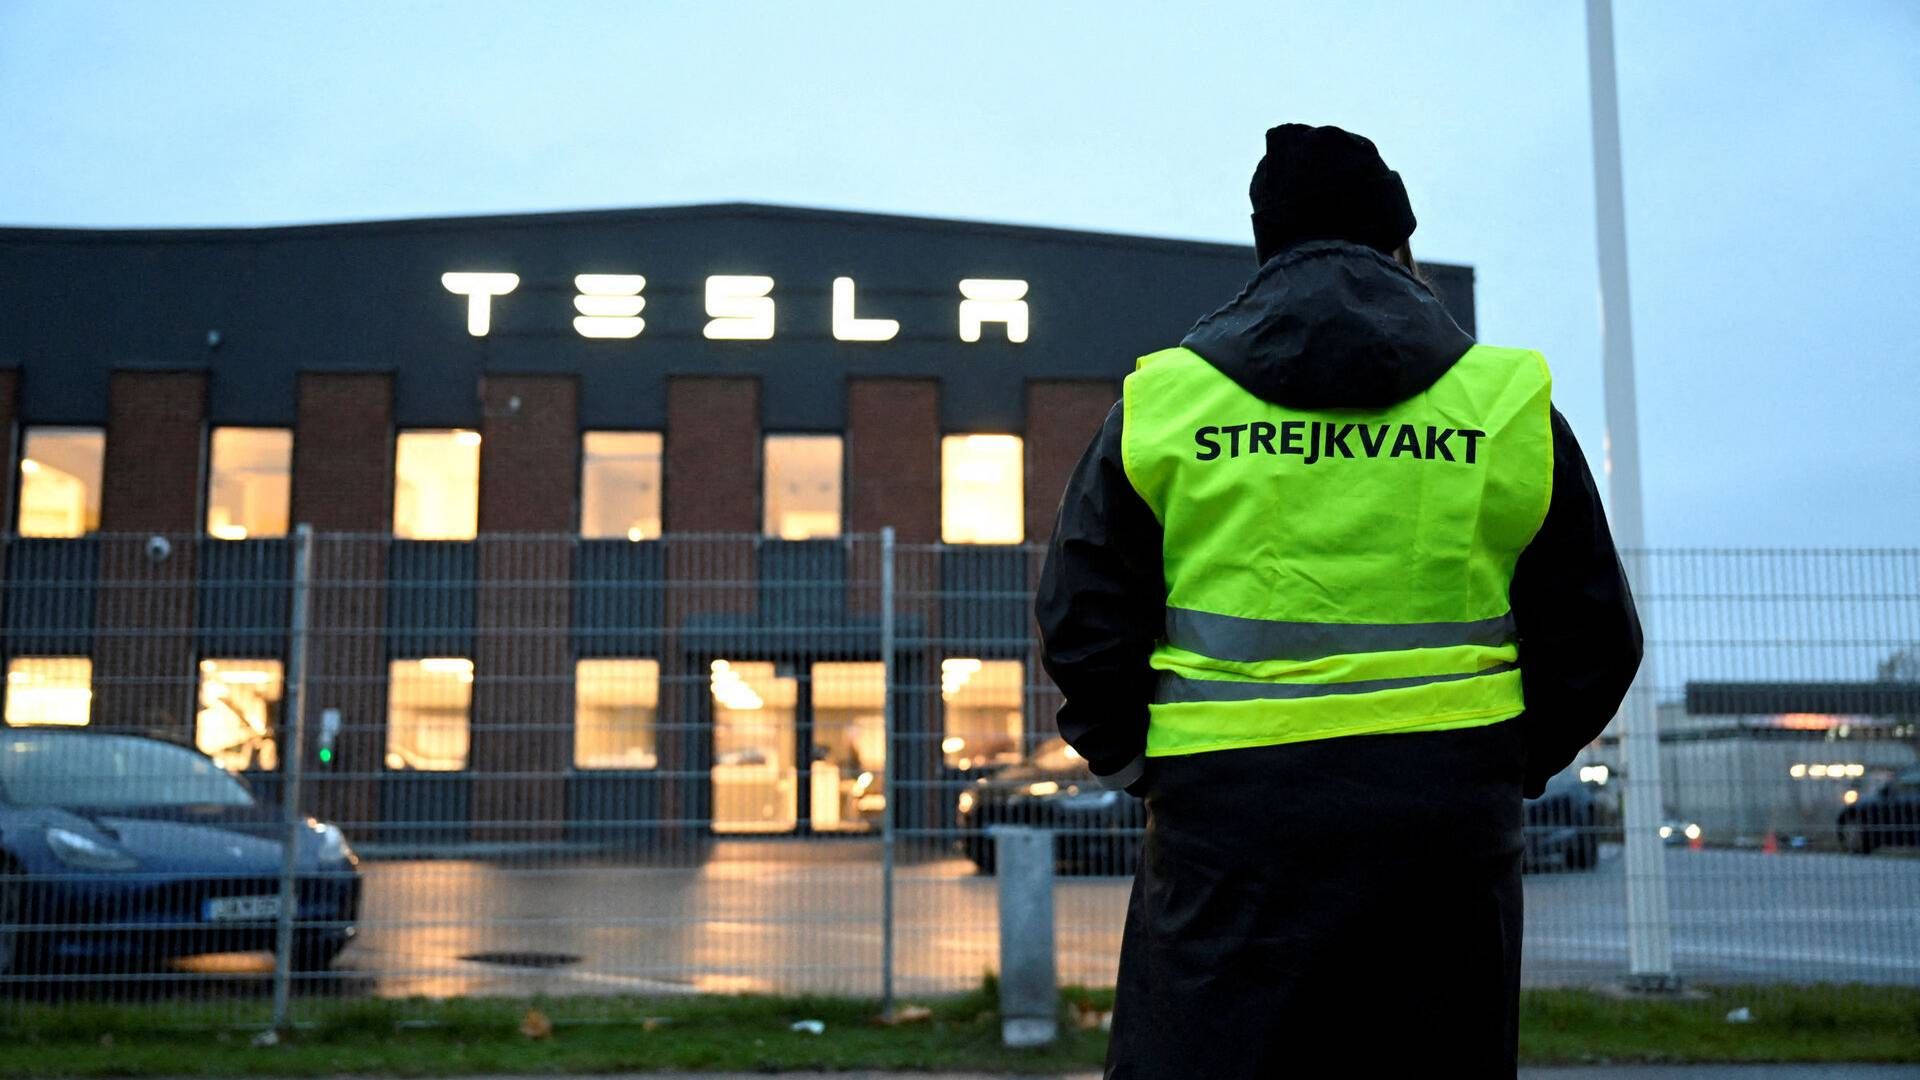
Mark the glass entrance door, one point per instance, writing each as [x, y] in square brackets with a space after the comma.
[755, 731]
[848, 745]
[797, 747]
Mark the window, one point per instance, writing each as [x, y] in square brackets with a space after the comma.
[248, 482]
[981, 498]
[239, 716]
[436, 485]
[982, 701]
[614, 706]
[60, 481]
[620, 484]
[802, 497]
[429, 713]
[49, 690]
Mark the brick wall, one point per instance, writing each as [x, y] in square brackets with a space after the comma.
[523, 666]
[9, 469]
[343, 452]
[712, 455]
[712, 482]
[343, 483]
[1062, 417]
[893, 457]
[143, 657]
[156, 432]
[10, 441]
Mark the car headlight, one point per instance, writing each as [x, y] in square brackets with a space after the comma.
[87, 853]
[334, 849]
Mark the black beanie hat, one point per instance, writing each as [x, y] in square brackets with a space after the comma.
[1322, 183]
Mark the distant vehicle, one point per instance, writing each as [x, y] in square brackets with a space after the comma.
[1563, 826]
[122, 852]
[1887, 818]
[1096, 831]
[1675, 832]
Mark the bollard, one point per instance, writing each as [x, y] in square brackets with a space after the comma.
[1029, 996]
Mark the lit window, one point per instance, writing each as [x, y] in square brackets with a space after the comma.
[849, 745]
[60, 481]
[984, 719]
[248, 482]
[981, 496]
[239, 715]
[802, 497]
[429, 713]
[615, 702]
[55, 690]
[620, 484]
[436, 485]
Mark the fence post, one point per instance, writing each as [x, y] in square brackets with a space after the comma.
[292, 763]
[1029, 988]
[1649, 929]
[888, 724]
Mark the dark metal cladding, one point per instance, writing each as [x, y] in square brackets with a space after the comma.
[253, 307]
[1774, 698]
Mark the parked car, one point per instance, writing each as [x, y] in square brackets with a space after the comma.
[1095, 831]
[1886, 818]
[1562, 827]
[121, 852]
[1098, 831]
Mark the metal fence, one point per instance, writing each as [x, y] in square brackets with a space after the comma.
[578, 767]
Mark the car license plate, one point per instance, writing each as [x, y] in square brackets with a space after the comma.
[242, 908]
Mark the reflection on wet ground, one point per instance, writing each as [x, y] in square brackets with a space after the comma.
[798, 917]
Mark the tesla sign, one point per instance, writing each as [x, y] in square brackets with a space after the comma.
[740, 307]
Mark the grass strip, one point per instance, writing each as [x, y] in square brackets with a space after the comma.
[423, 1037]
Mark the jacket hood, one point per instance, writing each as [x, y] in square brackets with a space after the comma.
[1330, 324]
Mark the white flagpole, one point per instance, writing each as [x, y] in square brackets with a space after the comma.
[1649, 942]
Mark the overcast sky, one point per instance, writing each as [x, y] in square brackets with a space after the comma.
[1772, 165]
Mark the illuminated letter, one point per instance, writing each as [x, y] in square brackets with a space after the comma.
[993, 300]
[847, 327]
[609, 305]
[740, 306]
[480, 289]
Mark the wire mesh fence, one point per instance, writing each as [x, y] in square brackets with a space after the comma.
[1787, 690]
[569, 767]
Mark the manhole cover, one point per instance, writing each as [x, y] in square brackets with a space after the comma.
[523, 959]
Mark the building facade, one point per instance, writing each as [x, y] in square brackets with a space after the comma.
[595, 494]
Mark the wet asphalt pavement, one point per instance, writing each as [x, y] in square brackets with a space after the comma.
[781, 918]
[787, 917]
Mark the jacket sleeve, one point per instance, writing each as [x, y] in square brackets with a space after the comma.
[1579, 634]
[1101, 607]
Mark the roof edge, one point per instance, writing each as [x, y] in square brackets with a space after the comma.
[675, 212]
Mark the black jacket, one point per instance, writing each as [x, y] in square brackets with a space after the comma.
[1356, 898]
[1327, 325]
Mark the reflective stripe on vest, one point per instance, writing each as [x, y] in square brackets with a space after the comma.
[1339, 572]
[1178, 688]
[1232, 638]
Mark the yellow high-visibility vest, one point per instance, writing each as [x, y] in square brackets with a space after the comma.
[1343, 571]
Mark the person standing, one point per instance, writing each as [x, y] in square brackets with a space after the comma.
[1332, 590]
